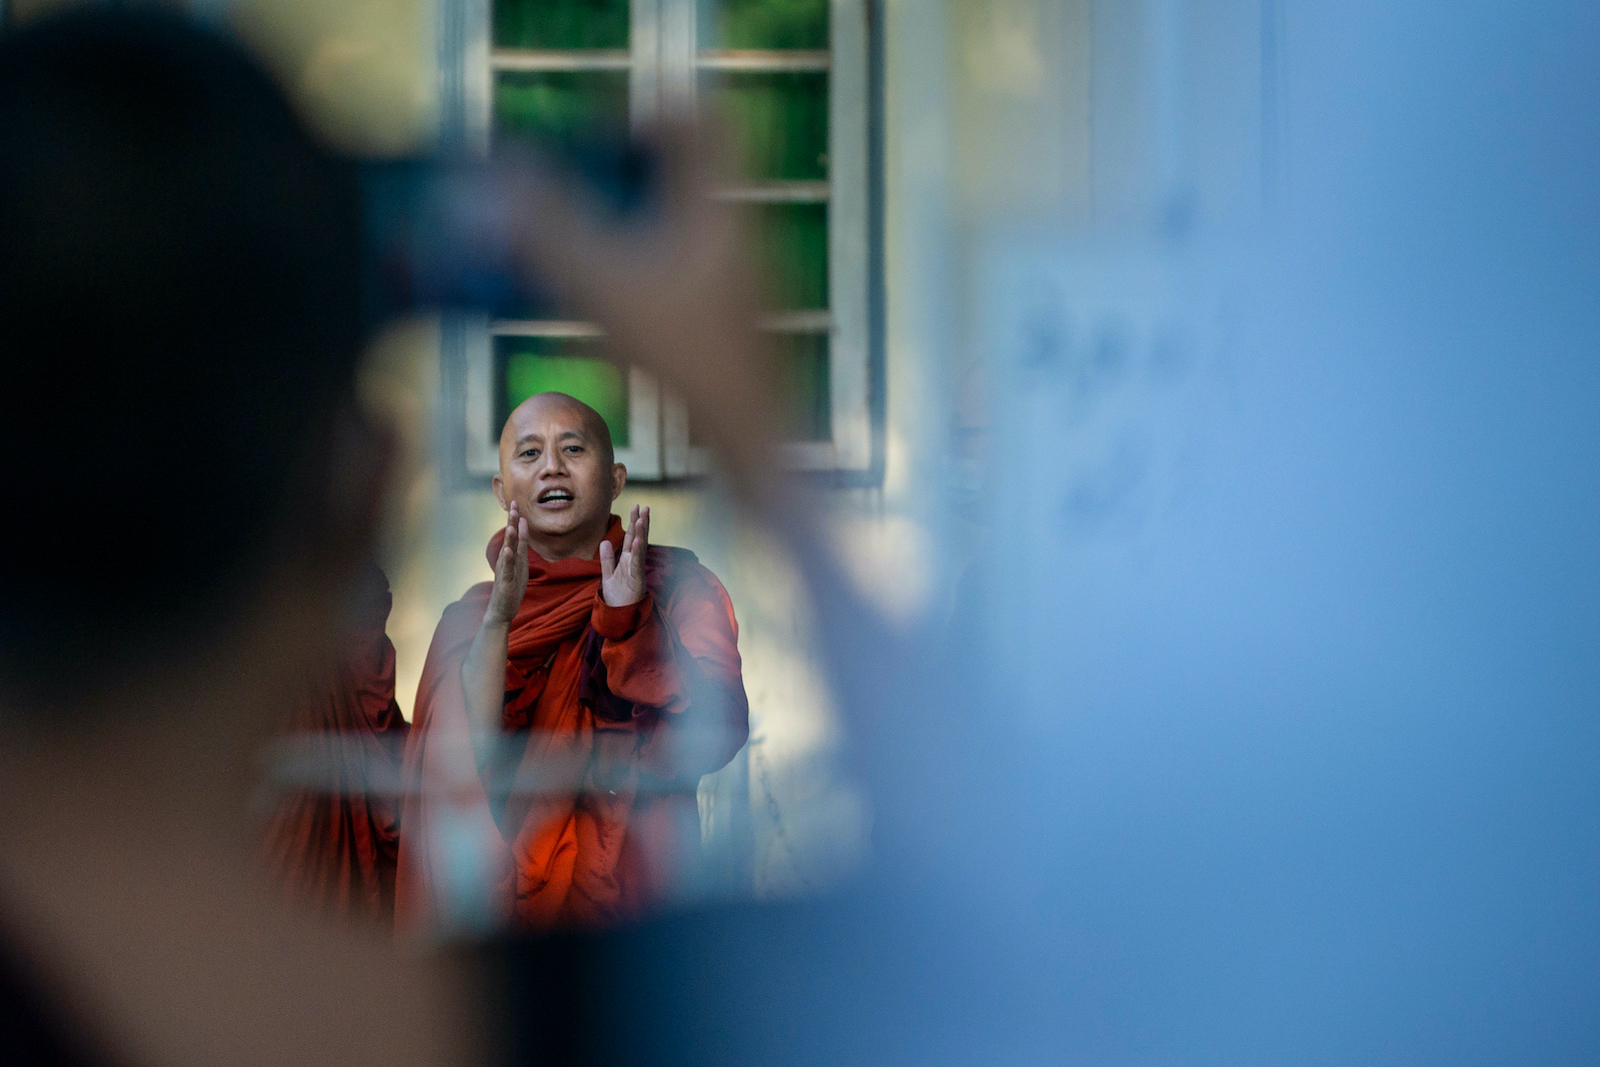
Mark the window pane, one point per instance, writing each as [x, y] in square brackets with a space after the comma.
[792, 243]
[781, 121]
[529, 365]
[561, 23]
[802, 381]
[562, 108]
[767, 24]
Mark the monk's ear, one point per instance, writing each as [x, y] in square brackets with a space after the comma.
[500, 493]
[619, 478]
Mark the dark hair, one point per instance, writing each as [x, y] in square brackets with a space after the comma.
[179, 322]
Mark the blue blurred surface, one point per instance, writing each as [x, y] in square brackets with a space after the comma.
[1272, 733]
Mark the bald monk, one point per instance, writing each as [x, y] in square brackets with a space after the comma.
[592, 682]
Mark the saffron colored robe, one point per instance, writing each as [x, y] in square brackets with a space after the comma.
[335, 844]
[611, 715]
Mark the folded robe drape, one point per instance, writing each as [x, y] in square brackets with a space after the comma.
[611, 715]
[335, 845]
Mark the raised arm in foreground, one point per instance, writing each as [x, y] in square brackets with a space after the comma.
[483, 672]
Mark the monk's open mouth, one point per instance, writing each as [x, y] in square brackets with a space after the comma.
[554, 498]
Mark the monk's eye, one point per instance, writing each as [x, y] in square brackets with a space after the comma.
[574, 449]
[531, 453]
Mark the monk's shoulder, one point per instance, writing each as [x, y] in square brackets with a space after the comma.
[676, 575]
[465, 614]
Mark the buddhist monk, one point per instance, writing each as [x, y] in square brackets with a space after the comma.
[592, 682]
[332, 843]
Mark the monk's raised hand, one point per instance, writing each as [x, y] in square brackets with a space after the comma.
[510, 571]
[622, 577]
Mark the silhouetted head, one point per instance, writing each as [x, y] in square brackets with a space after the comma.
[557, 464]
[179, 327]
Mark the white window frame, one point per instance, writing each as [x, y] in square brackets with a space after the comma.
[664, 63]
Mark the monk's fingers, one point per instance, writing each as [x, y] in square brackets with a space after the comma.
[644, 528]
[636, 558]
[608, 565]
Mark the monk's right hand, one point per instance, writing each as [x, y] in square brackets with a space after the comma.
[510, 571]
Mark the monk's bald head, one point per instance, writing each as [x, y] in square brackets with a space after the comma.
[558, 470]
[537, 407]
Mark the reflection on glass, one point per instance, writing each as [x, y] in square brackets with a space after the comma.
[780, 120]
[561, 23]
[792, 244]
[529, 365]
[561, 108]
[767, 24]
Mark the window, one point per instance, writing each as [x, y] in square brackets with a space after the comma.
[791, 78]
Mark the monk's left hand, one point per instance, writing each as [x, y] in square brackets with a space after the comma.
[622, 578]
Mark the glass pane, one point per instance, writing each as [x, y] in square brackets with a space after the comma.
[562, 108]
[529, 365]
[802, 381]
[792, 243]
[781, 121]
[561, 23]
[767, 24]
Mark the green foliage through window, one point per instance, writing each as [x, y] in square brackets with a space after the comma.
[561, 23]
[530, 365]
[781, 121]
[802, 385]
[559, 108]
[768, 24]
[792, 244]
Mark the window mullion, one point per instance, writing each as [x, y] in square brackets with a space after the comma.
[678, 44]
[647, 103]
[847, 237]
[644, 84]
[559, 59]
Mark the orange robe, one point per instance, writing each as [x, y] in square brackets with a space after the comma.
[611, 716]
[335, 843]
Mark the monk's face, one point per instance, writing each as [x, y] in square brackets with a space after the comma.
[554, 464]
